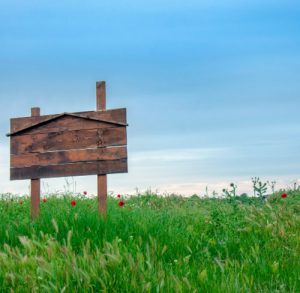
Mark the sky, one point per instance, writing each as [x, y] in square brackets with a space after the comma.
[211, 88]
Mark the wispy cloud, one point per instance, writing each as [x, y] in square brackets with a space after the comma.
[175, 155]
[183, 171]
[211, 87]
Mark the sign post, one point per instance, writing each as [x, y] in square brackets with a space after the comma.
[101, 179]
[69, 144]
[35, 184]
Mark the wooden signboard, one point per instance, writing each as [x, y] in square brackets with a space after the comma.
[69, 144]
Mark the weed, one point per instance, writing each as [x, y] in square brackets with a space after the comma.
[152, 244]
[259, 188]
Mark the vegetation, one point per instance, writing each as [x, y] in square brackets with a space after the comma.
[152, 244]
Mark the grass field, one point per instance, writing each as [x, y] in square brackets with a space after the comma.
[152, 244]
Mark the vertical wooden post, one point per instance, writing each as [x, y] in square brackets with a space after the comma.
[101, 179]
[101, 95]
[35, 182]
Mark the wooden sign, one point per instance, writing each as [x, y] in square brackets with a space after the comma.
[69, 144]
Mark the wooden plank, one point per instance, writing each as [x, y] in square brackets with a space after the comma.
[102, 193]
[35, 191]
[66, 140]
[101, 95]
[35, 112]
[65, 157]
[35, 183]
[67, 123]
[118, 115]
[22, 122]
[101, 178]
[75, 169]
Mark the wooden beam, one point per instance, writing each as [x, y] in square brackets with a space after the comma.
[67, 157]
[102, 194]
[101, 179]
[68, 140]
[35, 111]
[114, 115]
[35, 191]
[73, 169]
[101, 95]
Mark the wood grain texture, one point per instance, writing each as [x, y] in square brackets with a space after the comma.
[35, 197]
[102, 193]
[35, 111]
[35, 183]
[67, 123]
[101, 179]
[66, 157]
[117, 115]
[67, 140]
[75, 169]
[101, 95]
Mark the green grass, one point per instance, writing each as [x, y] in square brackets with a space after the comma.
[152, 244]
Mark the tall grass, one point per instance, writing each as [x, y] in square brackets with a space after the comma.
[152, 244]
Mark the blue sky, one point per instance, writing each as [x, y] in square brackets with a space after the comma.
[212, 88]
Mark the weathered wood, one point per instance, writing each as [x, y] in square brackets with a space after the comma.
[66, 157]
[66, 140]
[117, 115]
[69, 144]
[101, 179]
[74, 169]
[35, 197]
[101, 95]
[35, 111]
[35, 190]
[19, 123]
[67, 123]
[102, 193]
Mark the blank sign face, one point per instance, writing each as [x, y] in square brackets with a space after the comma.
[69, 144]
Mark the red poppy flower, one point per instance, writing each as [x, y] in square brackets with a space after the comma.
[284, 195]
[121, 203]
[73, 203]
[44, 199]
[119, 195]
[85, 193]
[21, 201]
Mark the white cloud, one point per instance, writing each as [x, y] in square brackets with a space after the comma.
[156, 170]
[173, 155]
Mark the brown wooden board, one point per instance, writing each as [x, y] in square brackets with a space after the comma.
[35, 197]
[65, 157]
[69, 144]
[74, 169]
[101, 179]
[67, 140]
[67, 123]
[115, 115]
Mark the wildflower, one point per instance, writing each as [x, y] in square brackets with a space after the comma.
[119, 195]
[73, 203]
[284, 195]
[121, 203]
[44, 199]
[21, 201]
[85, 193]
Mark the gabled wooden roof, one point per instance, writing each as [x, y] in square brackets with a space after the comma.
[57, 116]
